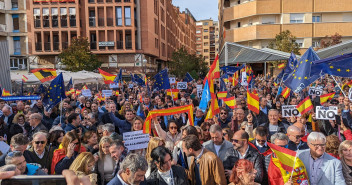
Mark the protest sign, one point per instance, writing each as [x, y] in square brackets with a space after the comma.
[290, 110]
[181, 85]
[130, 86]
[86, 92]
[244, 79]
[114, 85]
[326, 113]
[136, 140]
[315, 91]
[199, 90]
[172, 80]
[107, 93]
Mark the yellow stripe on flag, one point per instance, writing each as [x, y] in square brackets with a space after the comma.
[305, 105]
[253, 102]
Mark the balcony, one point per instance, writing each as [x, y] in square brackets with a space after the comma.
[56, 46]
[93, 45]
[92, 21]
[109, 22]
[300, 30]
[333, 6]
[37, 23]
[64, 45]
[252, 8]
[38, 46]
[47, 46]
[119, 44]
[263, 31]
[128, 44]
[323, 29]
[63, 22]
[100, 21]
[72, 22]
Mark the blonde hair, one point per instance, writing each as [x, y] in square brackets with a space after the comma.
[81, 162]
[344, 145]
[153, 143]
[68, 138]
[15, 119]
[105, 139]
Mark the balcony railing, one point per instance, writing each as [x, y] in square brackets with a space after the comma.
[38, 46]
[64, 45]
[47, 46]
[93, 45]
[128, 44]
[119, 44]
[56, 46]
[72, 22]
[2, 27]
[92, 21]
[109, 22]
[63, 22]
[100, 21]
[55, 22]
[37, 23]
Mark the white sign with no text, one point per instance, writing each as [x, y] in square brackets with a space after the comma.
[244, 79]
[136, 140]
[181, 85]
[290, 110]
[326, 113]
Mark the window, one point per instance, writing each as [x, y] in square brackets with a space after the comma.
[63, 14]
[316, 18]
[205, 23]
[296, 18]
[72, 12]
[36, 13]
[46, 22]
[162, 32]
[127, 16]
[206, 50]
[206, 37]
[199, 24]
[162, 15]
[14, 4]
[156, 26]
[16, 24]
[198, 31]
[156, 43]
[16, 45]
[206, 30]
[238, 24]
[315, 44]
[118, 16]
[54, 18]
[156, 7]
[198, 38]
[18, 63]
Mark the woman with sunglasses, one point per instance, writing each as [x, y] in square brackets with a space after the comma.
[67, 152]
[171, 136]
[206, 134]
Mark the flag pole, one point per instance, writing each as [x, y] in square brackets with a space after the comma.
[294, 164]
[61, 110]
[338, 85]
[22, 88]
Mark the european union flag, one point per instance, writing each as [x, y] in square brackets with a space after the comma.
[70, 83]
[55, 93]
[188, 78]
[41, 89]
[305, 72]
[340, 65]
[118, 78]
[290, 66]
[231, 69]
[132, 78]
[139, 80]
[161, 80]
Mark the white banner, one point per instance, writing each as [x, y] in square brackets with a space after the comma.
[289, 110]
[199, 90]
[114, 85]
[315, 91]
[86, 92]
[136, 140]
[244, 79]
[326, 113]
[181, 85]
[172, 80]
[107, 93]
[130, 86]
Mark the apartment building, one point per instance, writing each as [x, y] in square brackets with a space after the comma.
[207, 39]
[255, 23]
[136, 35]
[13, 29]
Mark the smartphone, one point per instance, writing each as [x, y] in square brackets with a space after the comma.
[35, 180]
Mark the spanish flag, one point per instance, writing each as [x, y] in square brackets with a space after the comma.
[281, 66]
[78, 92]
[235, 79]
[286, 92]
[117, 93]
[231, 102]
[173, 93]
[24, 78]
[214, 71]
[305, 105]
[213, 109]
[283, 163]
[84, 87]
[108, 78]
[325, 97]
[5, 93]
[253, 102]
[72, 90]
[167, 112]
[67, 93]
[145, 80]
[44, 74]
[222, 94]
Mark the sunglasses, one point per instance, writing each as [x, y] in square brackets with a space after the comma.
[39, 142]
[237, 140]
[222, 113]
[259, 140]
[299, 136]
[172, 128]
[206, 130]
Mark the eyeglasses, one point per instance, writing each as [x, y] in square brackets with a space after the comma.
[172, 128]
[259, 140]
[223, 113]
[39, 142]
[206, 130]
[319, 145]
[237, 140]
[224, 134]
[100, 133]
[299, 136]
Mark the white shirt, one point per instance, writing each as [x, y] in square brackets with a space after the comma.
[167, 177]
[242, 156]
[41, 155]
[217, 148]
[120, 179]
[273, 128]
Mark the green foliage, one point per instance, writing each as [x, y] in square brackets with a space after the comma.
[183, 62]
[285, 41]
[78, 56]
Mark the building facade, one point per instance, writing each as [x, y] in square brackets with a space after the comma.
[207, 39]
[135, 35]
[255, 23]
[13, 29]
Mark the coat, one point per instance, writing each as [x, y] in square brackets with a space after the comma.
[116, 181]
[346, 170]
[330, 171]
[211, 169]
[38, 128]
[178, 173]
[226, 145]
[123, 125]
[232, 156]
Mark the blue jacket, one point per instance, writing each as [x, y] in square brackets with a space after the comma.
[124, 125]
[116, 181]
[34, 170]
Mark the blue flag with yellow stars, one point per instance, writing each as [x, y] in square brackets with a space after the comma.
[188, 78]
[55, 93]
[290, 66]
[231, 69]
[340, 65]
[161, 80]
[138, 79]
[118, 78]
[305, 72]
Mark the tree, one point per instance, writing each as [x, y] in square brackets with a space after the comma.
[330, 41]
[78, 56]
[285, 41]
[183, 62]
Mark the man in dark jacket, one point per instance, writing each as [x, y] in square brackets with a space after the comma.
[18, 159]
[274, 125]
[261, 137]
[224, 119]
[241, 150]
[295, 139]
[35, 121]
[74, 122]
[7, 115]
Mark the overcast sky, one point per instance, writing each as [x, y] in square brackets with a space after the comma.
[200, 9]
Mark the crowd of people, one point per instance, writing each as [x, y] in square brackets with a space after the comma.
[83, 137]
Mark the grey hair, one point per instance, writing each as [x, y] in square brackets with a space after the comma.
[316, 136]
[6, 107]
[279, 136]
[9, 167]
[134, 162]
[15, 154]
[273, 110]
[111, 103]
[108, 127]
[215, 128]
[37, 116]
[40, 133]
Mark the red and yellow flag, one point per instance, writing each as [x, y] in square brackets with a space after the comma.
[78, 92]
[5, 93]
[325, 97]
[222, 94]
[72, 90]
[283, 163]
[231, 102]
[24, 78]
[108, 78]
[44, 74]
[281, 66]
[173, 93]
[117, 93]
[167, 112]
[214, 71]
[253, 102]
[305, 105]
[286, 92]
[85, 87]
[235, 79]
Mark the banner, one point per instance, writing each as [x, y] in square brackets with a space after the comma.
[290, 110]
[22, 98]
[244, 79]
[136, 140]
[181, 85]
[86, 92]
[326, 113]
[107, 93]
[167, 112]
[315, 91]
[199, 90]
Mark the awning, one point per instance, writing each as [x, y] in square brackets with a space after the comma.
[338, 49]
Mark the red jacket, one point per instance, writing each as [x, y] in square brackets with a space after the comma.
[58, 155]
[348, 134]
